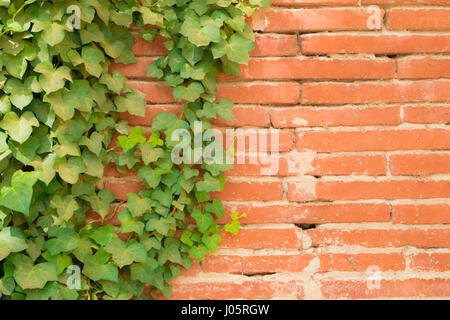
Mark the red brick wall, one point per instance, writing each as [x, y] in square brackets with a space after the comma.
[365, 157]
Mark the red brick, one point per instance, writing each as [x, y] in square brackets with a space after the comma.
[246, 116]
[261, 289]
[322, 165]
[418, 19]
[321, 19]
[292, 3]
[358, 289]
[420, 164]
[427, 114]
[316, 68]
[331, 117]
[262, 238]
[362, 261]
[400, 2]
[373, 238]
[360, 190]
[144, 48]
[310, 214]
[421, 213]
[222, 264]
[251, 191]
[372, 92]
[423, 67]
[268, 45]
[374, 43]
[328, 262]
[436, 261]
[374, 140]
[328, 165]
[134, 70]
[260, 92]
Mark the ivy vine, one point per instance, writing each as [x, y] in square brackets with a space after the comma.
[59, 112]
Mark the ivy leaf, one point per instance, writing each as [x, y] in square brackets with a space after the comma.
[170, 252]
[101, 202]
[150, 154]
[190, 93]
[144, 272]
[61, 261]
[64, 205]
[209, 184]
[225, 110]
[7, 286]
[154, 72]
[236, 49]
[135, 137]
[53, 33]
[96, 267]
[212, 242]
[52, 79]
[215, 207]
[136, 205]
[93, 59]
[45, 168]
[161, 225]
[134, 103]
[163, 121]
[65, 241]
[20, 95]
[152, 177]
[19, 129]
[18, 196]
[200, 33]
[123, 254]
[129, 224]
[69, 170]
[198, 252]
[11, 240]
[204, 220]
[150, 17]
[34, 277]
[186, 238]
[104, 235]
[62, 103]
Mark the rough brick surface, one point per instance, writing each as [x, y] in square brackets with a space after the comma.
[359, 204]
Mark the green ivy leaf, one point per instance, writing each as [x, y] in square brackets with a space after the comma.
[52, 79]
[18, 196]
[125, 254]
[204, 220]
[96, 267]
[20, 95]
[19, 129]
[11, 240]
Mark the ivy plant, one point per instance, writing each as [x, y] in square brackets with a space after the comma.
[59, 111]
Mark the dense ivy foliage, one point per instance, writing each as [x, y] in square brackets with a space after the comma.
[59, 110]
